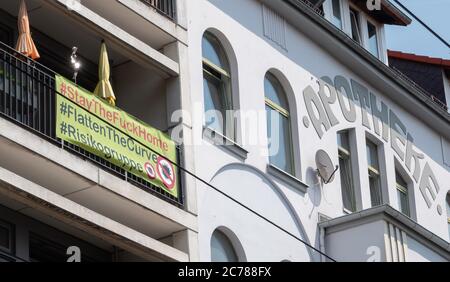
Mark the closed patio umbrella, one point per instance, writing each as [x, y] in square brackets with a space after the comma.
[25, 44]
[104, 88]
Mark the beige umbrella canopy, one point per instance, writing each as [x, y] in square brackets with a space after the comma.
[25, 44]
[104, 88]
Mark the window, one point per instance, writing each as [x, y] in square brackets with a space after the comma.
[6, 237]
[374, 174]
[54, 249]
[345, 169]
[373, 39]
[336, 17]
[222, 249]
[45, 250]
[6, 34]
[278, 125]
[355, 26]
[402, 194]
[216, 86]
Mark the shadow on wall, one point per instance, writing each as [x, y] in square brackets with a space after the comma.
[255, 182]
[315, 190]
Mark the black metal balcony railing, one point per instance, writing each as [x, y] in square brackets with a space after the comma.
[165, 7]
[27, 97]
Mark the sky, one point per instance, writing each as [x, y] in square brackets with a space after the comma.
[415, 38]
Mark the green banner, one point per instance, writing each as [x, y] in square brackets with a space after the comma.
[89, 122]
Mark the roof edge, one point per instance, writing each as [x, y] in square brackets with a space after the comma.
[445, 63]
[402, 18]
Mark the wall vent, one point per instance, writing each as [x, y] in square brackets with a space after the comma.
[274, 27]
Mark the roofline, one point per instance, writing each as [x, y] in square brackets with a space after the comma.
[388, 14]
[402, 18]
[389, 213]
[445, 63]
[395, 77]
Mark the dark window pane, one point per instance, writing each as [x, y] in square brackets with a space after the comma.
[213, 52]
[342, 139]
[214, 107]
[356, 35]
[403, 203]
[221, 248]
[337, 16]
[5, 237]
[372, 155]
[400, 180]
[402, 194]
[52, 250]
[279, 136]
[373, 39]
[44, 250]
[375, 190]
[274, 92]
[347, 189]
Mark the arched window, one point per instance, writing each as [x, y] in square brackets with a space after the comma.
[278, 125]
[216, 86]
[222, 249]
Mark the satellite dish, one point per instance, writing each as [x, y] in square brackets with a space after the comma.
[325, 168]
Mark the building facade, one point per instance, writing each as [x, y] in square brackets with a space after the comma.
[320, 70]
[251, 91]
[60, 202]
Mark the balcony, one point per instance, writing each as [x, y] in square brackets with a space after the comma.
[27, 108]
[27, 97]
[142, 81]
[154, 22]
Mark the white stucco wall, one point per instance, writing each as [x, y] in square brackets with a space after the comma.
[417, 252]
[360, 243]
[301, 64]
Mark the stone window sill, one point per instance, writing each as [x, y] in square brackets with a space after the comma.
[287, 178]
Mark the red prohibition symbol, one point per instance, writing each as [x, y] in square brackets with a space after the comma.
[166, 172]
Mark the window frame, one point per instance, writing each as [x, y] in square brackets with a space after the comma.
[228, 242]
[403, 190]
[378, 37]
[285, 113]
[374, 172]
[212, 71]
[346, 155]
[357, 13]
[341, 11]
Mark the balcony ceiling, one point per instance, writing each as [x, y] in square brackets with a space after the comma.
[63, 29]
[129, 20]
